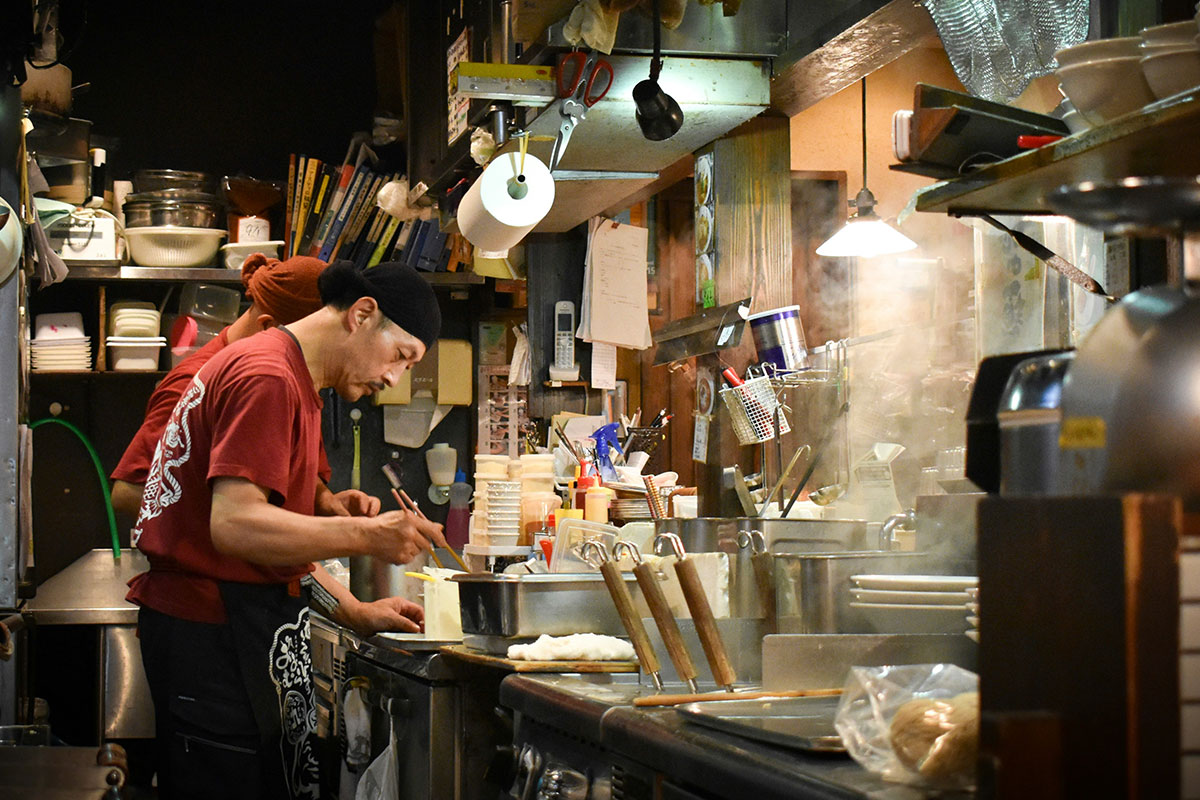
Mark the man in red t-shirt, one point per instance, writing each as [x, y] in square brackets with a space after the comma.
[280, 292]
[227, 523]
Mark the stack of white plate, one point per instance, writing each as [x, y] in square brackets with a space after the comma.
[133, 318]
[913, 603]
[503, 511]
[973, 613]
[630, 508]
[59, 345]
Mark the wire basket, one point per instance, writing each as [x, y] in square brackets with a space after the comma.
[752, 410]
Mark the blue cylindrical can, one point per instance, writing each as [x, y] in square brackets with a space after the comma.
[779, 337]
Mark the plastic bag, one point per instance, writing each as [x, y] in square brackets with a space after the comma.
[380, 781]
[916, 724]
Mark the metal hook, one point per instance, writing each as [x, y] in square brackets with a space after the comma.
[592, 547]
[673, 540]
[752, 540]
[635, 554]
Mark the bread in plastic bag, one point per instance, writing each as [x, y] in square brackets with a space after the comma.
[916, 723]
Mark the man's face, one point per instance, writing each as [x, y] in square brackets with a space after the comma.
[375, 356]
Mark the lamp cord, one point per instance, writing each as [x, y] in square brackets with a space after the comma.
[864, 129]
[656, 64]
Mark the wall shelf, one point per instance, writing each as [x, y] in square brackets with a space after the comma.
[85, 272]
[1157, 140]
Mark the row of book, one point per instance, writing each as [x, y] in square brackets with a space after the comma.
[331, 214]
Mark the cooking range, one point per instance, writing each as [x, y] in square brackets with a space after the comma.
[581, 738]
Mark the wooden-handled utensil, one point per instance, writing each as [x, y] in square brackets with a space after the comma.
[762, 564]
[679, 699]
[661, 611]
[702, 615]
[594, 554]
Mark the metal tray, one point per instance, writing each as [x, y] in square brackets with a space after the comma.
[801, 723]
[520, 606]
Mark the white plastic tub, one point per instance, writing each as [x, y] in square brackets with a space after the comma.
[134, 354]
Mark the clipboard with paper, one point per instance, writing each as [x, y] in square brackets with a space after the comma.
[614, 309]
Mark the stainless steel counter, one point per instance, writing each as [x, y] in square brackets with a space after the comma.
[89, 592]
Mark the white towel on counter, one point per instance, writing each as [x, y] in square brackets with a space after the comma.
[576, 647]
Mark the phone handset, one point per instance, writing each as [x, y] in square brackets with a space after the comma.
[564, 367]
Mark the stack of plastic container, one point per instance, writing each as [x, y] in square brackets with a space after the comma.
[538, 497]
[504, 513]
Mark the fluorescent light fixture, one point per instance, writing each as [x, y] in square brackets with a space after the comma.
[865, 234]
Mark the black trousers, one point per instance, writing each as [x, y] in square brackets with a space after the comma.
[217, 729]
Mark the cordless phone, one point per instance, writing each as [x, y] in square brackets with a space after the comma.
[564, 368]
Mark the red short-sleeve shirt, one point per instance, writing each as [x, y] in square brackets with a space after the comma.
[250, 412]
[134, 466]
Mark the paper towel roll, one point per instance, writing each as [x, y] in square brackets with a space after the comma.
[503, 205]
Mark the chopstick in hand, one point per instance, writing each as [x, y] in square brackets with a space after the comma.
[416, 509]
[413, 508]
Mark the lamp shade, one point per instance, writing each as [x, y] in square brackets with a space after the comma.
[659, 116]
[866, 236]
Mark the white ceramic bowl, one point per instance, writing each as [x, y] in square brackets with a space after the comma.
[1105, 89]
[1098, 49]
[1170, 33]
[1172, 71]
[234, 253]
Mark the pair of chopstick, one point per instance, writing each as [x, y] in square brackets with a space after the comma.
[408, 504]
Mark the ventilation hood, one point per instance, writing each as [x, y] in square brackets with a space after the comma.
[608, 159]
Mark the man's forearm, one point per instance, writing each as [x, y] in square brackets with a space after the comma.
[342, 602]
[266, 534]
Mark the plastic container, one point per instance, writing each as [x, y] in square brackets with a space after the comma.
[535, 508]
[596, 502]
[532, 484]
[458, 517]
[203, 301]
[134, 353]
[170, 246]
[489, 466]
[779, 337]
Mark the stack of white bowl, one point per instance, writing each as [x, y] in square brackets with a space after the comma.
[488, 468]
[503, 512]
[1103, 78]
[1171, 57]
[133, 336]
[59, 345]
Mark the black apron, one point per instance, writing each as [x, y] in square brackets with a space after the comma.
[269, 624]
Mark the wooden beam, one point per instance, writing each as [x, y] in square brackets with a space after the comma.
[667, 178]
[875, 41]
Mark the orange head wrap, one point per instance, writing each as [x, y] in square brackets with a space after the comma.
[287, 290]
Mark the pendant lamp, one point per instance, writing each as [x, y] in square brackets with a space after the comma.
[659, 116]
[865, 234]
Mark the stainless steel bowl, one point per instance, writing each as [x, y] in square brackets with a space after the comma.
[171, 212]
[149, 180]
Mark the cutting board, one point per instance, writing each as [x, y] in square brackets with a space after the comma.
[513, 665]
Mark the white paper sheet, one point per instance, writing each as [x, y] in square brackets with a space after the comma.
[614, 295]
[604, 366]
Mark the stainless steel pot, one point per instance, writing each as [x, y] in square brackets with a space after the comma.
[808, 535]
[812, 590]
[702, 534]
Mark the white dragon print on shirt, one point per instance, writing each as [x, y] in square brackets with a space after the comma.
[173, 450]
[290, 666]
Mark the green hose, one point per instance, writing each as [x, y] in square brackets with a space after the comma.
[104, 487]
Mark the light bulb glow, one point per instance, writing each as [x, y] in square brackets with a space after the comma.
[865, 238]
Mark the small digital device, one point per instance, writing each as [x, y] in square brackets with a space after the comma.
[564, 367]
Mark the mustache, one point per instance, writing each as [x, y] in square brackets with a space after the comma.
[377, 386]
